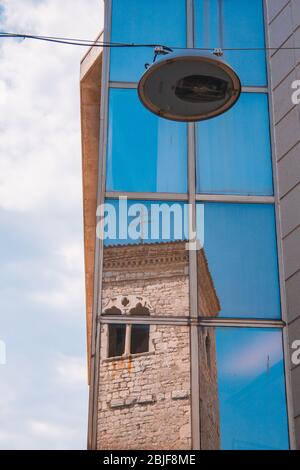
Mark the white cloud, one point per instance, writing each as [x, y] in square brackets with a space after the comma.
[66, 295]
[254, 357]
[44, 404]
[39, 121]
[71, 371]
[8, 436]
[71, 256]
[50, 430]
[65, 292]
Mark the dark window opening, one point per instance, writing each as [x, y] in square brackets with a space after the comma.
[139, 339]
[116, 340]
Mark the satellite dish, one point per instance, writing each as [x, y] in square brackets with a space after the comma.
[189, 86]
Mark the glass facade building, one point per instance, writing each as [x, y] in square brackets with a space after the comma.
[223, 303]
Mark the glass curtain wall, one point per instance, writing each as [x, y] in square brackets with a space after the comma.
[235, 285]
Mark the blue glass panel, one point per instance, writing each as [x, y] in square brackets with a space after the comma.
[234, 150]
[234, 24]
[136, 221]
[145, 257]
[144, 22]
[251, 389]
[241, 252]
[145, 153]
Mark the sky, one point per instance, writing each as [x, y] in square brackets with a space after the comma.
[43, 385]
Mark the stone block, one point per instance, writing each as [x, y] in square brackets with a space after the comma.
[180, 395]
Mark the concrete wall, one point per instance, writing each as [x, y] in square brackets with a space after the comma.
[283, 18]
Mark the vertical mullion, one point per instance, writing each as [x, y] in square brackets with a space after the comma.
[221, 22]
[194, 337]
[128, 339]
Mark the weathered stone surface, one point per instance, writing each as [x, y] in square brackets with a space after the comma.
[117, 403]
[145, 399]
[180, 394]
[148, 408]
[154, 387]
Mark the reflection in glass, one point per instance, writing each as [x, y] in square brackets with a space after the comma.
[243, 398]
[143, 394]
[139, 339]
[241, 255]
[145, 153]
[234, 151]
[152, 278]
[146, 22]
[238, 25]
[116, 343]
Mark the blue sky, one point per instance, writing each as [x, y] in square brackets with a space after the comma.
[42, 313]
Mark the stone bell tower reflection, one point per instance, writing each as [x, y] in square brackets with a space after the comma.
[208, 306]
[145, 368]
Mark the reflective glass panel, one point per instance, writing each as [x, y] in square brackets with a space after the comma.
[116, 340]
[144, 22]
[242, 388]
[235, 25]
[145, 153]
[234, 150]
[142, 395]
[145, 260]
[139, 339]
[240, 256]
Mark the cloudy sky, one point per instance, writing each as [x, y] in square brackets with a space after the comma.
[43, 391]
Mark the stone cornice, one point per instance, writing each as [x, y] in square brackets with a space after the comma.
[140, 256]
[133, 263]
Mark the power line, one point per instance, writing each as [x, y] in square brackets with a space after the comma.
[89, 43]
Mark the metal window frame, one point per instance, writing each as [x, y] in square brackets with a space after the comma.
[193, 321]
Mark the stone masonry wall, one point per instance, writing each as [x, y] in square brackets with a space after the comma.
[144, 400]
[167, 298]
[209, 397]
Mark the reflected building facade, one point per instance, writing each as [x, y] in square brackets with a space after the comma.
[188, 349]
[145, 385]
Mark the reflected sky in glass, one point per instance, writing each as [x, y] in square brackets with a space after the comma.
[234, 150]
[241, 252]
[251, 388]
[242, 27]
[145, 153]
[144, 22]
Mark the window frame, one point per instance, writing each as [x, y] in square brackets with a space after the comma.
[127, 342]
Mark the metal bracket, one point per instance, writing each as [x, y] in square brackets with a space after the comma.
[159, 50]
[218, 52]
